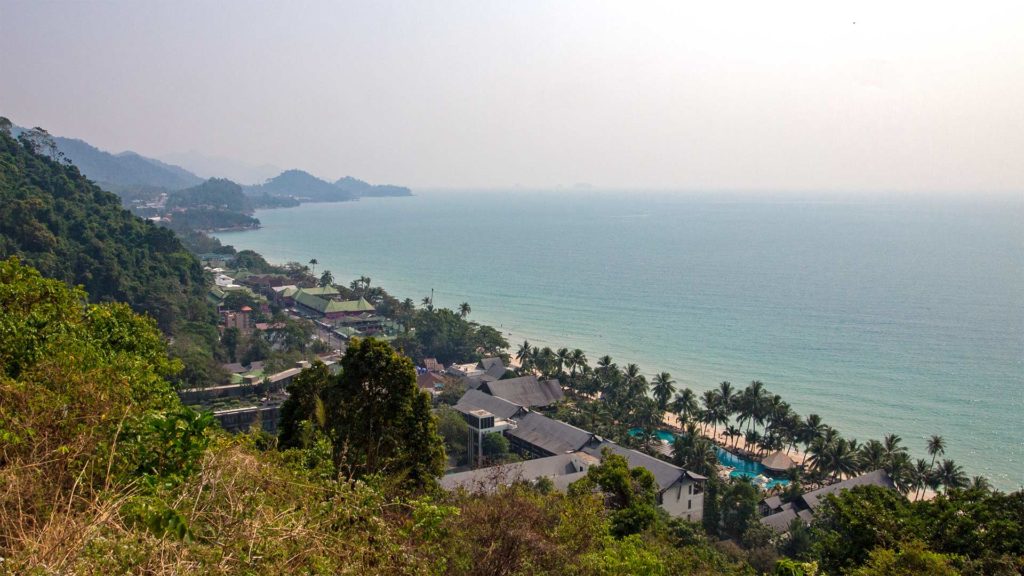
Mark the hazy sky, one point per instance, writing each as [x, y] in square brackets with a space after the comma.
[707, 95]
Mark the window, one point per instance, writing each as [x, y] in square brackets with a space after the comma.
[689, 504]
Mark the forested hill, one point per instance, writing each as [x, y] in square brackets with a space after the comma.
[364, 189]
[303, 186]
[115, 172]
[59, 222]
[214, 193]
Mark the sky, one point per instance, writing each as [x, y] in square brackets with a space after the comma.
[806, 96]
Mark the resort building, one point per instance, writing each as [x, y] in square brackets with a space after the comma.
[562, 470]
[778, 515]
[680, 492]
[533, 435]
[526, 391]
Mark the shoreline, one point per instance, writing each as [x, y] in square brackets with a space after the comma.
[516, 327]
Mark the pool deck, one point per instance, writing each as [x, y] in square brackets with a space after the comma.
[735, 445]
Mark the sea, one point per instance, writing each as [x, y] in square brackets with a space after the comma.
[882, 314]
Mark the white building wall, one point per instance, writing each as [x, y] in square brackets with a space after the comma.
[680, 501]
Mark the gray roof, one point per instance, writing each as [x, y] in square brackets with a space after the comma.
[877, 478]
[494, 367]
[474, 382]
[665, 474]
[239, 368]
[477, 400]
[547, 434]
[563, 469]
[773, 502]
[525, 390]
[804, 506]
[780, 521]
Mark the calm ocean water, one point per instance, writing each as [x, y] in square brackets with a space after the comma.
[882, 316]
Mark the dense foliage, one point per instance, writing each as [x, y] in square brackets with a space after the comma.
[445, 335]
[376, 419]
[214, 193]
[56, 220]
[128, 481]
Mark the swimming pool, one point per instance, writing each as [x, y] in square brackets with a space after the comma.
[747, 468]
[741, 466]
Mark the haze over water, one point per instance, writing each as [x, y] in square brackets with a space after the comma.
[902, 316]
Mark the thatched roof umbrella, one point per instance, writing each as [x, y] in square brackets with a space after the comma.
[778, 462]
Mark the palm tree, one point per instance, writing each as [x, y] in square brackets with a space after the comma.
[685, 406]
[464, 309]
[936, 447]
[696, 454]
[811, 430]
[428, 303]
[313, 262]
[872, 456]
[523, 355]
[711, 409]
[980, 483]
[727, 398]
[326, 279]
[579, 361]
[547, 361]
[921, 473]
[891, 442]
[734, 433]
[841, 459]
[901, 470]
[563, 358]
[752, 439]
[951, 475]
[664, 388]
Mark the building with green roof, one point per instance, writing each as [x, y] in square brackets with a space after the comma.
[331, 309]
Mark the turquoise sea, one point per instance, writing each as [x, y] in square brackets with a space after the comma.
[880, 315]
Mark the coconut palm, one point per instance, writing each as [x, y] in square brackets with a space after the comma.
[696, 454]
[951, 475]
[727, 397]
[685, 406]
[464, 309]
[891, 442]
[901, 470]
[811, 430]
[664, 387]
[981, 484]
[562, 360]
[710, 402]
[326, 279]
[922, 470]
[841, 459]
[312, 263]
[872, 456]
[524, 354]
[753, 439]
[734, 433]
[579, 361]
[936, 447]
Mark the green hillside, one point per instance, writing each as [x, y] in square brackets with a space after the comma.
[55, 219]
